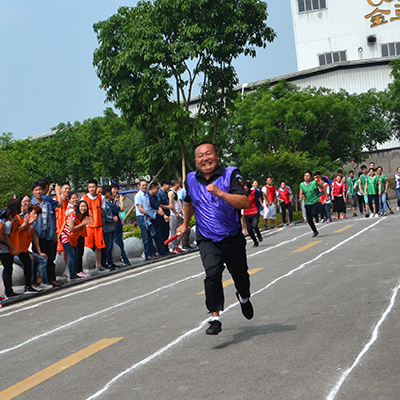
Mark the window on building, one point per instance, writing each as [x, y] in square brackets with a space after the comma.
[332, 57]
[390, 49]
[311, 5]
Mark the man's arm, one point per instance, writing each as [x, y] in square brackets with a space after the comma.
[189, 212]
[239, 201]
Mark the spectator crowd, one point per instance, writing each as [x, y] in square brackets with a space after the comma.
[35, 227]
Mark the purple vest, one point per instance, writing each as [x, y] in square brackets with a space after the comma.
[215, 219]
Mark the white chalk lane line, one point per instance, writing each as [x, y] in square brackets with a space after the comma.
[203, 323]
[87, 317]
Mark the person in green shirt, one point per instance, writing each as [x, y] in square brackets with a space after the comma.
[384, 189]
[361, 188]
[373, 190]
[310, 194]
[351, 192]
[360, 197]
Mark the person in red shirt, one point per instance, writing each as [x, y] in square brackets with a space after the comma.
[269, 194]
[252, 215]
[338, 196]
[285, 197]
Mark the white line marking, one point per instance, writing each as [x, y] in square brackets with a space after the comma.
[194, 330]
[97, 286]
[96, 314]
[374, 336]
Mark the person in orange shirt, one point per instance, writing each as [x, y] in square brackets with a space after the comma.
[75, 225]
[65, 190]
[7, 249]
[94, 231]
[28, 215]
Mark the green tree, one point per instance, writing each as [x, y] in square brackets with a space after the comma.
[151, 57]
[284, 130]
[14, 179]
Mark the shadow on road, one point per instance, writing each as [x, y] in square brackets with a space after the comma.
[248, 332]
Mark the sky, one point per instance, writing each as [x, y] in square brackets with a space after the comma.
[46, 60]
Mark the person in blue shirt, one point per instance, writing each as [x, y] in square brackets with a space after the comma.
[163, 201]
[45, 226]
[142, 203]
[159, 221]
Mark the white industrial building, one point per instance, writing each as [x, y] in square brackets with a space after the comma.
[346, 44]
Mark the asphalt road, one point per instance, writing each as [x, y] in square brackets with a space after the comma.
[325, 327]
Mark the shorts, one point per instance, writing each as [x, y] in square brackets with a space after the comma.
[270, 212]
[94, 238]
[353, 200]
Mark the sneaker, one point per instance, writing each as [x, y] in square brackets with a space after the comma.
[315, 234]
[354, 214]
[75, 278]
[186, 249]
[214, 328]
[151, 257]
[31, 290]
[255, 244]
[284, 224]
[322, 220]
[83, 274]
[111, 267]
[345, 216]
[260, 239]
[376, 216]
[292, 224]
[366, 215]
[398, 208]
[102, 269]
[372, 215]
[176, 250]
[328, 220]
[247, 308]
[13, 295]
[43, 286]
[272, 227]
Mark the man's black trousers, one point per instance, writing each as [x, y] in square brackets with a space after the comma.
[231, 252]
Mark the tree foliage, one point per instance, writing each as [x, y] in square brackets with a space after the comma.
[284, 130]
[151, 57]
[102, 146]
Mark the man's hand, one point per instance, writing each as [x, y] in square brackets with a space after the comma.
[182, 229]
[214, 189]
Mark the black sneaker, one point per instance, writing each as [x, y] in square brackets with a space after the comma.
[315, 234]
[214, 328]
[260, 239]
[31, 290]
[13, 294]
[255, 244]
[247, 308]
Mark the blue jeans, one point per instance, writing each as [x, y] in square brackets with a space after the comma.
[71, 252]
[398, 197]
[109, 241]
[159, 240]
[39, 265]
[149, 249]
[383, 202]
[119, 240]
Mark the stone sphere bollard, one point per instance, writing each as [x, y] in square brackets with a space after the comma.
[18, 277]
[133, 247]
[60, 265]
[89, 259]
[116, 253]
[192, 236]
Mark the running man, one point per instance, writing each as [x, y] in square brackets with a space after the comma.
[310, 193]
[216, 195]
